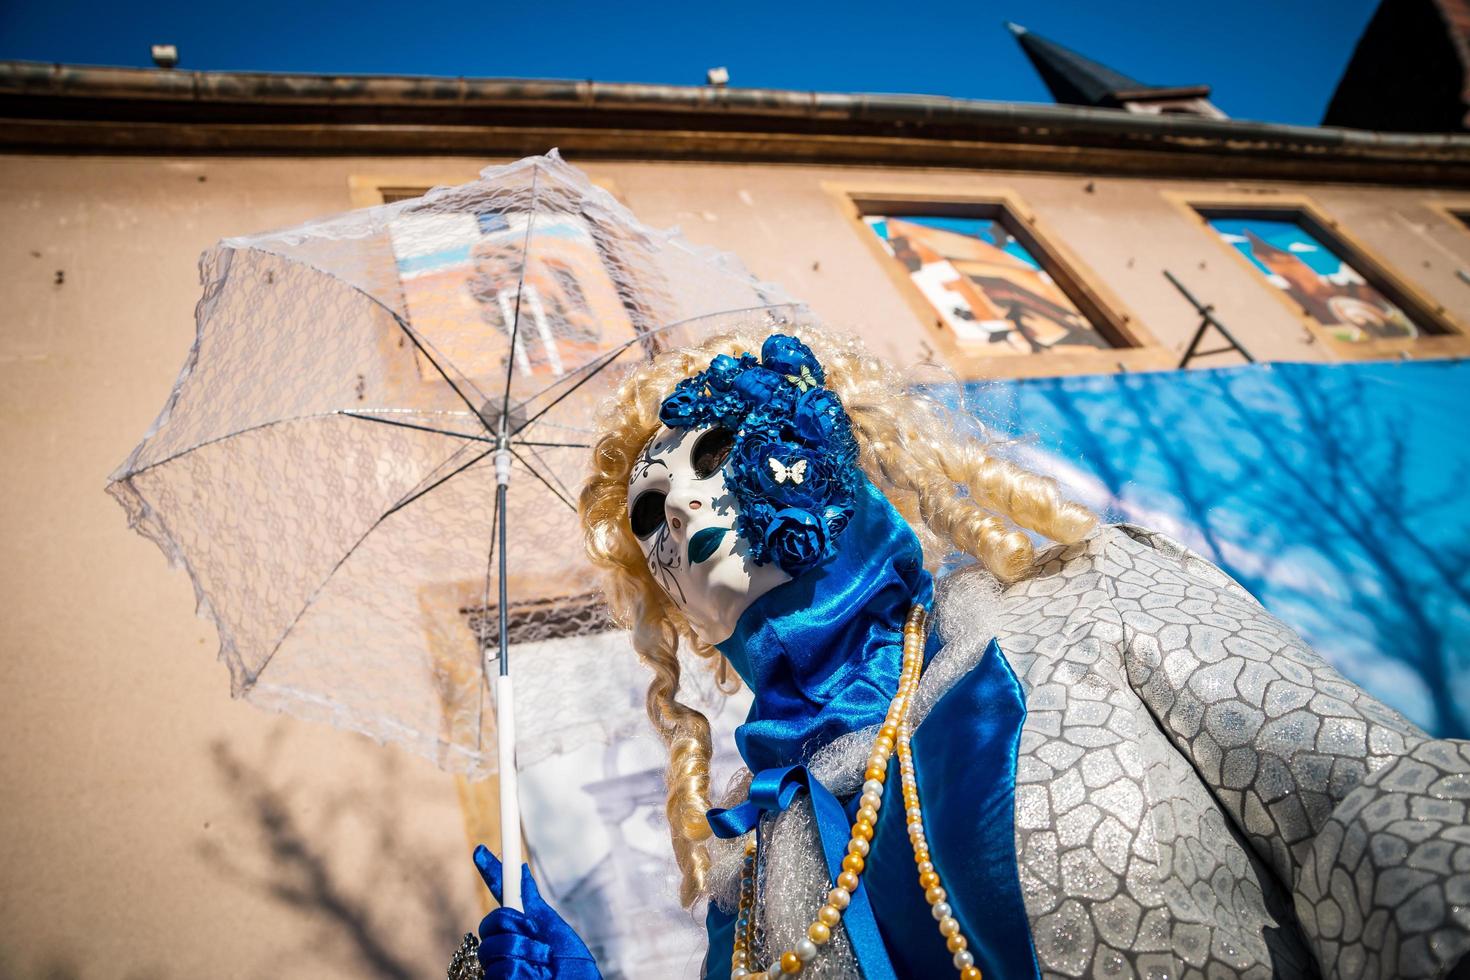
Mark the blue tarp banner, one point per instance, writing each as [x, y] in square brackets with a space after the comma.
[1338, 494]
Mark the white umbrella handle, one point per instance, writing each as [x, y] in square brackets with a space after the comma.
[510, 802]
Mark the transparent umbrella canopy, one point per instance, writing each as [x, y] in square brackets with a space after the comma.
[325, 465]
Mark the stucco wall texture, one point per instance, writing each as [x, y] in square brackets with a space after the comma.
[151, 827]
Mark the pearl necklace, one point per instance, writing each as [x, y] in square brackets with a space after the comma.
[894, 735]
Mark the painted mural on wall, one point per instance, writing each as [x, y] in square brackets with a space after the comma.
[570, 308]
[984, 285]
[1330, 290]
[1334, 493]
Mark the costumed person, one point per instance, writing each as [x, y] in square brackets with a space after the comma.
[1105, 759]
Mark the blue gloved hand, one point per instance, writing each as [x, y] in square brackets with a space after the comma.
[536, 944]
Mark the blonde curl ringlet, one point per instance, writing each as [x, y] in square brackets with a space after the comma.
[956, 494]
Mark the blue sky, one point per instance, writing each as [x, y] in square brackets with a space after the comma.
[1275, 61]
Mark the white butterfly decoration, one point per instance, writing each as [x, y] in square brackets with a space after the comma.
[796, 472]
[804, 381]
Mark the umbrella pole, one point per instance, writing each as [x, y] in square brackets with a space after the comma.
[505, 725]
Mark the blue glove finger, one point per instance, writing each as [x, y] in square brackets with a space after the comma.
[514, 948]
[569, 954]
[530, 894]
[489, 867]
[508, 922]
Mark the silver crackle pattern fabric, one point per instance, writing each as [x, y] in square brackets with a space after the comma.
[1199, 795]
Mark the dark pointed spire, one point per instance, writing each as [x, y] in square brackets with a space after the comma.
[1075, 80]
[1410, 72]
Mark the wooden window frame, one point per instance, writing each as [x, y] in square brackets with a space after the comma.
[1138, 349]
[1451, 338]
[371, 190]
[1454, 210]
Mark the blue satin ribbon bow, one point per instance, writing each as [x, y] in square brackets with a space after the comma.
[772, 791]
[822, 656]
[965, 763]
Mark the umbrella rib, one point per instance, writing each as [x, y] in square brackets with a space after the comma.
[617, 352]
[556, 493]
[442, 466]
[550, 469]
[439, 482]
[655, 331]
[554, 445]
[409, 425]
[259, 247]
[515, 325]
[592, 374]
[350, 552]
[569, 428]
[437, 367]
[228, 435]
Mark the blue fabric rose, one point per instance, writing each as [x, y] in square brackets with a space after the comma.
[724, 369]
[785, 473]
[819, 420]
[837, 518]
[694, 404]
[758, 386]
[789, 356]
[796, 540]
[684, 408]
[727, 408]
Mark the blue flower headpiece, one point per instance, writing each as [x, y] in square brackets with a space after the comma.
[792, 466]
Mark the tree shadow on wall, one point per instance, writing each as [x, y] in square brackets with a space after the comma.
[358, 904]
[1262, 472]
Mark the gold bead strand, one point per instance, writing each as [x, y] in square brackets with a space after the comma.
[819, 932]
[742, 956]
[892, 735]
[929, 881]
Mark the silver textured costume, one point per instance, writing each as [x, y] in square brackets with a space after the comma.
[1199, 795]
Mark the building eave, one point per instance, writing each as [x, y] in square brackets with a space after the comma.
[78, 109]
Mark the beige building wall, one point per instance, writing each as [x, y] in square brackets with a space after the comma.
[152, 827]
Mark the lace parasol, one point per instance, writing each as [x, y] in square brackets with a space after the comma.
[325, 465]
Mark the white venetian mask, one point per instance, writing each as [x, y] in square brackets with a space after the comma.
[683, 516]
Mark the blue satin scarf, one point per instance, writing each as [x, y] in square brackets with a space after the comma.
[822, 655]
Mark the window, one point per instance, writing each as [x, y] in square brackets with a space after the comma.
[1344, 294]
[985, 285]
[392, 195]
[369, 190]
[1301, 263]
[998, 295]
[450, 262]
[572, 303]
[1453, 208]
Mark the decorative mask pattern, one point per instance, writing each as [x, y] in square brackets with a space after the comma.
[793, 465]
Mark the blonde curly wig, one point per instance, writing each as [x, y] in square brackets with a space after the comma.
[955, 493]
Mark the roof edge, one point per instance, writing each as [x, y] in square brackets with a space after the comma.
[45, 90]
